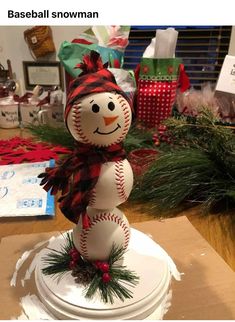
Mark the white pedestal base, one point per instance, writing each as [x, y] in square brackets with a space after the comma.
[65, 299]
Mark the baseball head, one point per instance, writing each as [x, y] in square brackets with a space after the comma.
[100, 119]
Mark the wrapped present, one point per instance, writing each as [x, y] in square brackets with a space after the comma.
[158, 78]
[109, 42]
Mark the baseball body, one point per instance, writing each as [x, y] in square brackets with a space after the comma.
[114, 185]
[107, 227]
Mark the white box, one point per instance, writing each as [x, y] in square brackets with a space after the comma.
[225, 90]
[226, 81]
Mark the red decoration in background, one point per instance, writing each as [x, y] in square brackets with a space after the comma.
[184, 81]
[19, 150]
[141, 159]
[155, 100]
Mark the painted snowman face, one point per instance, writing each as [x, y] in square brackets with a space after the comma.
[100, 119]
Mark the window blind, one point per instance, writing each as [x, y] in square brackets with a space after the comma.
[201, 48]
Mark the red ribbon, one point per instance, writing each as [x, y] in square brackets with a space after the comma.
[22, 99]
[45, 100]
[184, 81]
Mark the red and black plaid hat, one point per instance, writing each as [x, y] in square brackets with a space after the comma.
[95, 78]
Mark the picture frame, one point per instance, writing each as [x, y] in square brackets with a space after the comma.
[43, 73]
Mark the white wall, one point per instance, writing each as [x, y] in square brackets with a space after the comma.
[14, 47]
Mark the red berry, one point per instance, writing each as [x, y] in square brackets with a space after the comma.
[104, 267]
[72, 264]
[73, 251]
[106, 278]
[97, 264]
[75, 256]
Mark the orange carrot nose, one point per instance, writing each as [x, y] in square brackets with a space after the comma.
[109, 120]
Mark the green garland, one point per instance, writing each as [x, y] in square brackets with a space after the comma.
[57, 136]
[197, 168]
[107, 278]
[137, 137]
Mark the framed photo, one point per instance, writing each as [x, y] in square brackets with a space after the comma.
[46, 74]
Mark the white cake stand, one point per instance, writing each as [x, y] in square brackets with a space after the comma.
[65, 299]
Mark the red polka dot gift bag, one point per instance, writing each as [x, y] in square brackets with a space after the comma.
[157, 84]
[160, 73]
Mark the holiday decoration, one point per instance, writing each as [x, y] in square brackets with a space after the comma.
[198, 168]
[156, 94]
[190, 102]
[138, 136]
[104, 276]
[96, 177]
[18, 150]
[95, 264]
[47, 133]
[159, 74]
[141, 159]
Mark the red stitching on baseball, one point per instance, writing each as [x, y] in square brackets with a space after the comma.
[127, 115]
[92, 198]
[77, 122]
[83, 244]
[119, 179]
[99, 218]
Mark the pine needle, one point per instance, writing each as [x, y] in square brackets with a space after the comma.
[57, 262]
[57, 136]
[198, 169]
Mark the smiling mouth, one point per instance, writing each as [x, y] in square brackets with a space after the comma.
[106, 133]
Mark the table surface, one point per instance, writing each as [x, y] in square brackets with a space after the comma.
[218, 230]
[205, 292]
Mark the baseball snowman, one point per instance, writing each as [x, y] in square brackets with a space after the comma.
[98, 116]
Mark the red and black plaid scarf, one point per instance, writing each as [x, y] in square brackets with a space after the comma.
[76, 177]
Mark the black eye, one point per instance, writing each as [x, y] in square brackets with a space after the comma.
[111, 106]
[95, 108]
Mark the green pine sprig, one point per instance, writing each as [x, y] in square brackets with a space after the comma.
[49, 134]
[137, 137]
[121, 279]
[57, 261]
[198, 168]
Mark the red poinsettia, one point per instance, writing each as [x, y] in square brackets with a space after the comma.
[18, 150]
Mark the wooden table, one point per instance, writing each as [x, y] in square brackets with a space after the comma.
[218, 230]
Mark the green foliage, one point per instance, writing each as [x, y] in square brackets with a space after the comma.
[57, 136]
[58, 263]
[137, 137]
[199, 168]
[119, 276]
